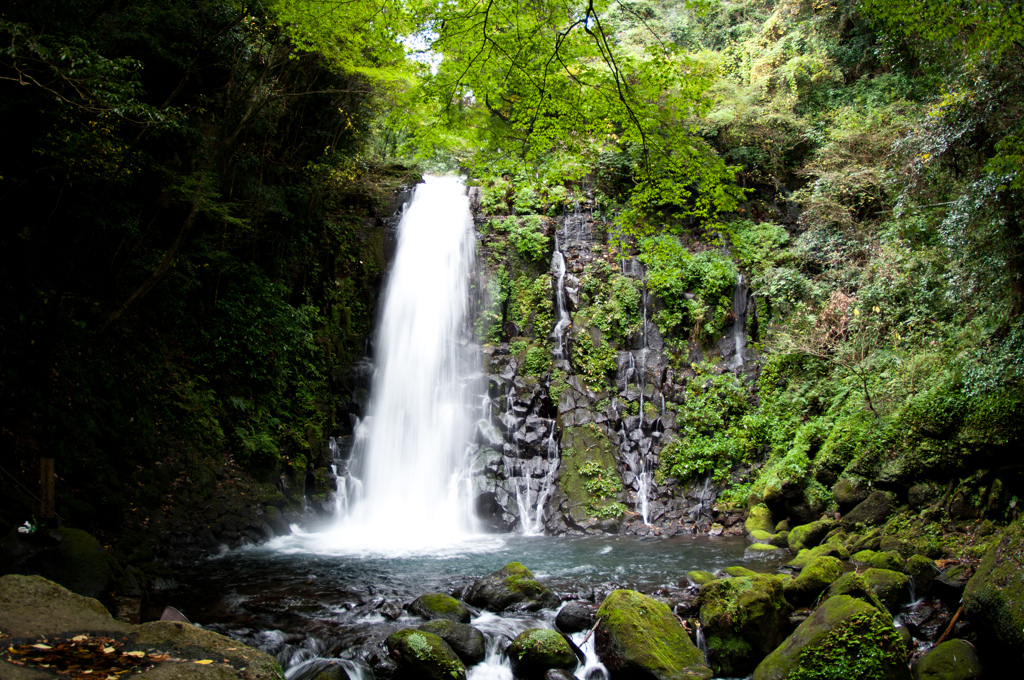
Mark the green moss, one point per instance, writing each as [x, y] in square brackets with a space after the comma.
[744, 618]
[759, 518]
[538, 649]
[739, 571]
[644, 636]
[844, 638]
[585, 447]
[994, 597]
[425, 654]
[808, 555]
[699, 578]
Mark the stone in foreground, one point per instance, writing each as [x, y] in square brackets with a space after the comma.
[843, 638]
[639, 637]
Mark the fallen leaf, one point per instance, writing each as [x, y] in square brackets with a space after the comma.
[136, 654]
[108, 650]
[80, 638]
[42, 646]
[205, 661]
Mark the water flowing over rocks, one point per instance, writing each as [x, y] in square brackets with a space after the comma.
[546, 437]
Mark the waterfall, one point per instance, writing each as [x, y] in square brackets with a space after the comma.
[739, 324]
[558, 334]
[410, 450]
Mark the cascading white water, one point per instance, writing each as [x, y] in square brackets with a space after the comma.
[410, 451]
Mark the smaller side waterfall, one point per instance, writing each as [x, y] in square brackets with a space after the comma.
[739, 324]
[562, 325]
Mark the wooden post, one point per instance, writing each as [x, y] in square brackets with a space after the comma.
[46, 514]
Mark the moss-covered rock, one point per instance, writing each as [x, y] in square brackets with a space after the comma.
[854, 585]
[639, 637]
[32, 606]
[744, 619]
[511, 587]
[848, 493]
[808, 555]
[467, 642]
[891, 587]
[739, 571]
[994, 597]
[760, 536]
[440, 606]
[878, 560]
[813, 580]
[420, 654]
[844, 638]
[952, 660]
[759, 518]
[537, 650]
[70, 557]
[873, 510]
[699, 578]
[810, 535]
[923, 571]
[762, 551]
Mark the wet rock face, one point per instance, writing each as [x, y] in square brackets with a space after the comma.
[526, 471]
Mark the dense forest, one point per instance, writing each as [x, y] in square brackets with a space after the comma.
[198, 196]
[192, 193]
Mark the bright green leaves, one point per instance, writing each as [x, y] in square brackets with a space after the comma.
[696, 288]
[982, 28]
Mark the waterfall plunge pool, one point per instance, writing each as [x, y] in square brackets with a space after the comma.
[306, 598]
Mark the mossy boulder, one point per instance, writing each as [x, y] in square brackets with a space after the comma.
[994, 597]
[923, 571]
[808, 555]
[854, 585]
[467, 642]
[873, 510]
[70, 557]
[538, 650]
[891, 587]
[699, 578]
[813, 580]
[34, 607]
[843, 638]
[848, 493]
[759, 518]
[511, 587]
[639, 637]
[744, 619]
[760, 536]
[421, 654]
[952, 660]
[440, 606]
[762, 551]
[810, 535]
[879, 560]
[739, 571]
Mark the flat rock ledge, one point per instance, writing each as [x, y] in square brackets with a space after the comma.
[32, 608]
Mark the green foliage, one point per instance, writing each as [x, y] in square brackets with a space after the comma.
[865, 646]
[529, 305]
[526, 234]
[696, 288]
[593, 362]
[713, 428]
[537, 361]
[602, 484]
